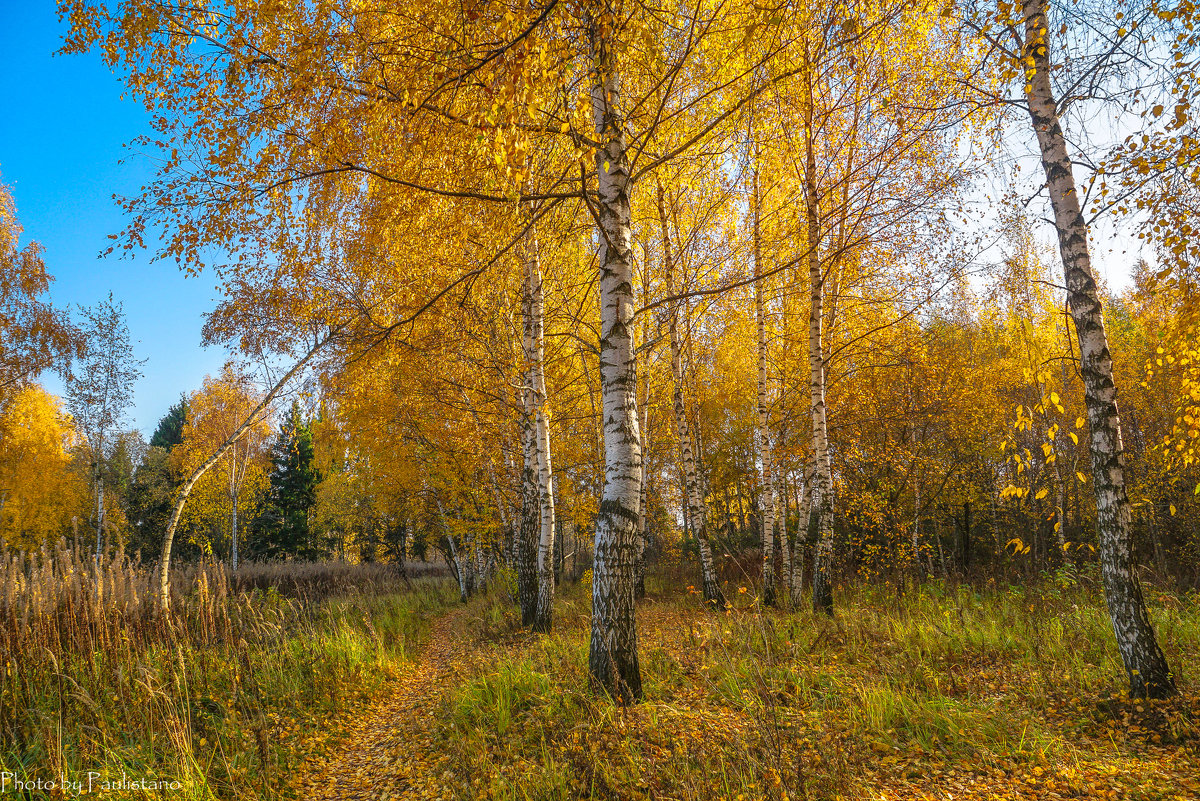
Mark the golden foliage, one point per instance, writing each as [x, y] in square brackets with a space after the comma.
[40, 490]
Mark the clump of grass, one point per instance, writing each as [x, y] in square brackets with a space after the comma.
[224, 694]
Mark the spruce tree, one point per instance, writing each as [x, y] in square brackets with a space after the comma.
[282, 528]
[170, 428]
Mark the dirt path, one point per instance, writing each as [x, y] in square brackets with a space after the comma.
[390, 754]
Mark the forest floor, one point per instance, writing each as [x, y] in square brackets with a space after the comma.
[945, 693]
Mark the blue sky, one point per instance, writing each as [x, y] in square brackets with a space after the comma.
[62, 137]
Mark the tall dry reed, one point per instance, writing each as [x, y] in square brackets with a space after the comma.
[95, 676]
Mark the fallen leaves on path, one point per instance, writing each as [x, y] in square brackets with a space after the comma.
[391, 753]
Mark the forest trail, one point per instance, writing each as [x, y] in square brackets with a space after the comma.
[390, 754]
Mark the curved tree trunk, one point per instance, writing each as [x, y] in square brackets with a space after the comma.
[164, 579]
[613, 651]
[1145, 664]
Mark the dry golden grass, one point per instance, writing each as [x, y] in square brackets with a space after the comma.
[224, 695]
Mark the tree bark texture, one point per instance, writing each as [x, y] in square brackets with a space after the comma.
[762, 432]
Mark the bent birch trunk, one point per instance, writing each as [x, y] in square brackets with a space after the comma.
[1145, 664]
[164, 586]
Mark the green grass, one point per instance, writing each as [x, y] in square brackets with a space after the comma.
[940, 689]
[917, 689]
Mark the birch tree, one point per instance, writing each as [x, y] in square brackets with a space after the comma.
[100, 392]
[1145, 664]
[528, 532]
[860, 132]
[538, 403]
[470, 93]
[613, 658]
[694, 506]
[765, 472]
[214, 413]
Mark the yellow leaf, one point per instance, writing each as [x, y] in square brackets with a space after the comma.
[1079, 422]
[1074, 438]
[1042, 493]
[1082, 478]
[1172, 510]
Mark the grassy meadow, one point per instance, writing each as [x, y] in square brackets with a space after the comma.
[941, 690]
[937, 692]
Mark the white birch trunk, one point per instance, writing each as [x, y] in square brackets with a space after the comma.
[916, 526]
[1145, 664]
[99, 513]
[544, 617]
[694, 495]
[639, 588]
[459, 569]
[821, 490]
[164, 577]
[613, 658]
[781, 515]
[237, 474]
[528, 531]
[233, 555]
[762, 434]
[803, 533]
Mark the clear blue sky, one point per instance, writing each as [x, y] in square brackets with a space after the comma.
[62, 133]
